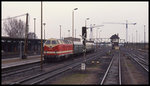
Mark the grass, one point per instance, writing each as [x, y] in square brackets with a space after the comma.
[79, 77]
[94, 65]
[73, 79]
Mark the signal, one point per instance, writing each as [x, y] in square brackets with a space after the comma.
[84, 32]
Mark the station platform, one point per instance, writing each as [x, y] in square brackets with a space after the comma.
[7, 63]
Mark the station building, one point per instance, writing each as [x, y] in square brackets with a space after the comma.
[115, 41]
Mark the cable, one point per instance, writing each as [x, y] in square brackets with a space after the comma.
[13, 17]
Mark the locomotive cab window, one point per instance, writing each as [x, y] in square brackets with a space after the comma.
[47, 42]
[54, 42]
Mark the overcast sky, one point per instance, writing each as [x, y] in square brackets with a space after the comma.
[60, 13]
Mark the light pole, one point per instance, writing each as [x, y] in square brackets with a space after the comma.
[60, 31]
[136, 38]
[75, 33]
[129, 39]
[63, 36]
[91, 31]
[132, 37]
[34, 27]
[44, 30]
[144, 36]
[99, 36]
[34, 34]
[86, 21]
[73, 23]
[139, 37]
[99, 33]
[132, 41]
[68, 33]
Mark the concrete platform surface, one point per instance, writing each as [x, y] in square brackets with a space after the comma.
[7, 63]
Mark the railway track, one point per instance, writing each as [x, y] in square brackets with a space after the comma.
[20, 67]
[140, 62]
[141, 54]
[23, 70]
[143, 51]
[47, 75]
[139, 59]
[113, 72]
[28, 67]
[42, 76]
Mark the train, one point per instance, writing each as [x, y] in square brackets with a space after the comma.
[57, 49]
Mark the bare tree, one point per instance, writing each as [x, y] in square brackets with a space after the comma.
[14, 28]
[31, 35]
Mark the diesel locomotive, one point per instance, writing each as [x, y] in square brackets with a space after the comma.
[55, 49]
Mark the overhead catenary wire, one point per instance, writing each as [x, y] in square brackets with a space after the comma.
[14, 17]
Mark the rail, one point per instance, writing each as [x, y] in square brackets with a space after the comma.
[108, 69]
[49, 74]
[131, 56]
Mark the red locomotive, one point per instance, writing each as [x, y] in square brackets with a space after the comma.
[56, 48]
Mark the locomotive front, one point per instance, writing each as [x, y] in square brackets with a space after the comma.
[50, 49]
[55, 49]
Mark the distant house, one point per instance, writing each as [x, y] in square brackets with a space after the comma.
[114, 38]
[115, 41]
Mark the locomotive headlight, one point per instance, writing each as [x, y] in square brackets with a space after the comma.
[50, 47]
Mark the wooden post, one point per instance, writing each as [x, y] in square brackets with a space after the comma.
[41, 37]
[26, 38]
